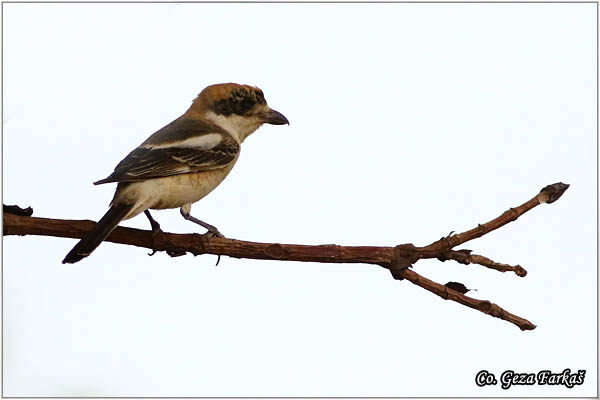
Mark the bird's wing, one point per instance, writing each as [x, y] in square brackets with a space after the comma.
[181, 147]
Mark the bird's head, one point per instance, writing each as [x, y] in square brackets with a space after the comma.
[239, 109]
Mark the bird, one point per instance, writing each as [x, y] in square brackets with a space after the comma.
[182, 162]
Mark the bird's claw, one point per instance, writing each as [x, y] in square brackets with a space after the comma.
[156, 228]
[212, 234]
[155, 231]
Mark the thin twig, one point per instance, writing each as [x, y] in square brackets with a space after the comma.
[466, 257]
[486, 262]
[484, 306]
[548, 194]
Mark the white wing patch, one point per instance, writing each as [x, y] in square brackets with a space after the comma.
[206, 142]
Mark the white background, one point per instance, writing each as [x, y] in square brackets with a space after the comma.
[408, 121]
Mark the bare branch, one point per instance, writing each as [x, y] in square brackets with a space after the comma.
[197, 244]
[484, 306]
[397, 259]
[465, 257]
[549, 194]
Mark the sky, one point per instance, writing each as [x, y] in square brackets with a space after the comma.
[407, 121]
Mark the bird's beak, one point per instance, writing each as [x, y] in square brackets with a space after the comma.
[275, 118]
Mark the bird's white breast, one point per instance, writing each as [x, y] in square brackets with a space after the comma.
[172, 191]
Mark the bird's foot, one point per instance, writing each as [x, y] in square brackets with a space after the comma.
[155, 228]
[155, 232]
[213, 233]
[155, 225]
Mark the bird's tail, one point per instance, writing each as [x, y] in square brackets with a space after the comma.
[103, 228]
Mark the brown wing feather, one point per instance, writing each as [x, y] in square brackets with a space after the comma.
[148, 163]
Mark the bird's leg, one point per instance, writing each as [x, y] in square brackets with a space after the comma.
[155, 230]
[213, 231]
[155, 225]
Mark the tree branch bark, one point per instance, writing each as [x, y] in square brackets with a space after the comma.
[397, 259]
